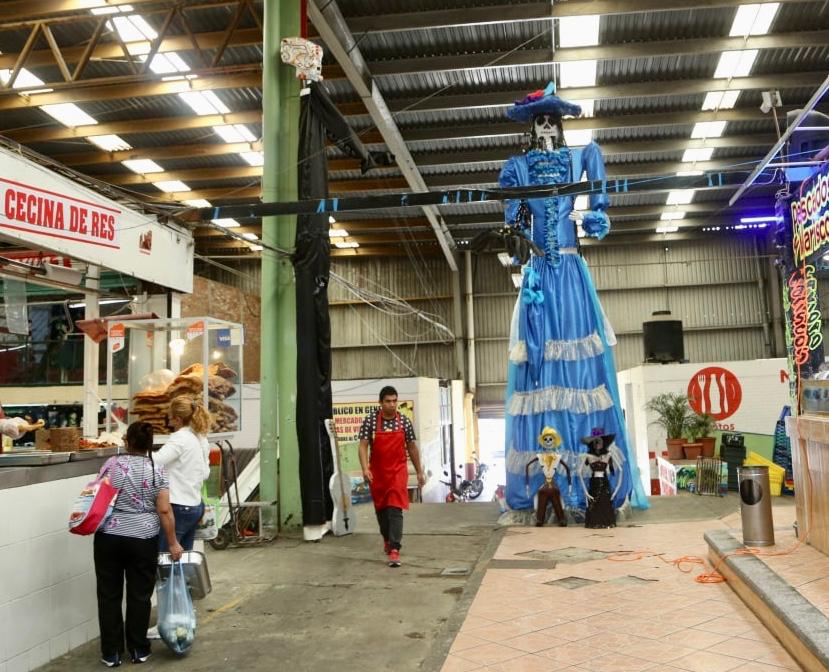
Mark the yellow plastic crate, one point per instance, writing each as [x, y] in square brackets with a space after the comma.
[776, 472]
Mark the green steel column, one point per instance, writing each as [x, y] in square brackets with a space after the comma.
[280, 114]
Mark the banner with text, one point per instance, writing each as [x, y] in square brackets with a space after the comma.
[349, 416]
[40, 209]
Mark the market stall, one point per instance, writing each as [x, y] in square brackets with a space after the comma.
[80, 246]
[806, 215]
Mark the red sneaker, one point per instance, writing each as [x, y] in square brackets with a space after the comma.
[394, 558]
[386, 547]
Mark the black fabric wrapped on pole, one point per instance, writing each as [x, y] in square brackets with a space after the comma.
[311, 269]
[319, 118]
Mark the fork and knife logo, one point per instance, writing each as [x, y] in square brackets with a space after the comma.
[716, 391]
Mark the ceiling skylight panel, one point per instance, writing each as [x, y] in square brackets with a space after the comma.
[708, 129]
[197, 203]
[69, 114]
[204, 102]
[722, 100]
[142, 166]
[133, 28]
[254, 158]
[234, 133]
[578, 73]
[754, 19]
[680, 197]
[170, 186]
[697, 154]
[578, 31]
[735, 63]
[109, 143]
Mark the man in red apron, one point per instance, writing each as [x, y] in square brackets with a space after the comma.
[391, 437]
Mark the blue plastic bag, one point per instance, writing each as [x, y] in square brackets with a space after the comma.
[176, 615]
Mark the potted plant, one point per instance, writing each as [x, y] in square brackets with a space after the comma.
[692, 449]
[704, 426]
[672, 414]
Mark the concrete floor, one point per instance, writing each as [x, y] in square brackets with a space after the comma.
[293, 605]
[307, 606]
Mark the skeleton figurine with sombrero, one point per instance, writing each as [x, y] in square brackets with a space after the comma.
[561, 371]
[551, 461]
[602, 461]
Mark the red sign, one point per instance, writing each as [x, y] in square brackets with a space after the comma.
[29, 208]
[117, 337]
[716, 391]
[195, 330]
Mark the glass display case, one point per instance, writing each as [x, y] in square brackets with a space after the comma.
[172, 357]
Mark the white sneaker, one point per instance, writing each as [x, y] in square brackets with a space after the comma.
[152, 633]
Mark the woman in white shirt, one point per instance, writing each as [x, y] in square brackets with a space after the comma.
[185, 458]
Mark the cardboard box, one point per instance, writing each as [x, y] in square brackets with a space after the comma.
[58, 439]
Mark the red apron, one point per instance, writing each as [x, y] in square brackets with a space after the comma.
[388, 466]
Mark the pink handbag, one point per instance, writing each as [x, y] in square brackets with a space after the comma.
[94, 505]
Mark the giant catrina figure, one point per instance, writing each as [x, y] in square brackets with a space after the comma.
[561, 370]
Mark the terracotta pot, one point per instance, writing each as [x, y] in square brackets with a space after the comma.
[709, 444]
[675, 451]
[692, 450]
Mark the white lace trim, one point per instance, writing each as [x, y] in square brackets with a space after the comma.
[579, 348]
[556, 398]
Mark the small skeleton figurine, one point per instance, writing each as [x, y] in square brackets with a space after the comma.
[550, 461]
[602, 456]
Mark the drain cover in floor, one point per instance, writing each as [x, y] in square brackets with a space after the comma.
[631, 580]
[571, 582]
[570, 555]
[455, 571]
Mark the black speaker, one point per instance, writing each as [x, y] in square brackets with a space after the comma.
[663, 341]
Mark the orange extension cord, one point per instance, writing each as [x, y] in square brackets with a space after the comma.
[714, 576]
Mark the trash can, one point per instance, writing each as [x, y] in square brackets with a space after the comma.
[755, 506]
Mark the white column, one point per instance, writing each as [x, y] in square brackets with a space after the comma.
[91, 350]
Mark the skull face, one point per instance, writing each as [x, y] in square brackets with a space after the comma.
[548, 442]
[545, 128]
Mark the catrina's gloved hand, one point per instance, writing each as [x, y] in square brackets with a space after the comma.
[595, 223]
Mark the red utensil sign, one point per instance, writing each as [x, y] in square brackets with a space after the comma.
[716, 391]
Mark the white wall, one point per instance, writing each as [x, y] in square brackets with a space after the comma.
[764, 393]
[47, 576]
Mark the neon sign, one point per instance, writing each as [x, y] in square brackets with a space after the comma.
[801, 300]
[810, 218]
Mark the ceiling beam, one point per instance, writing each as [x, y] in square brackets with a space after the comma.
[26, 9]
[192, 175]
[338, 38]
[112, 51]
[199, 150]
[160, 125]
[460, 223]
[141, 86]
[512, 13]
[673, 87]
[472, 177]
[532, 57]
[159, 153]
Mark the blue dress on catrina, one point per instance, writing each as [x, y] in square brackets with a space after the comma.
[561, 372]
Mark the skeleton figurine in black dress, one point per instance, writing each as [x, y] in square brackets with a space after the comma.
[602, 461]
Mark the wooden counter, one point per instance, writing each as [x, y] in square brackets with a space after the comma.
[809, 436]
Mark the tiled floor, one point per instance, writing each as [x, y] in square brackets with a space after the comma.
[620, 616]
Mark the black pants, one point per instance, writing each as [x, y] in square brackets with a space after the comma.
[117, 558]
[391, 525]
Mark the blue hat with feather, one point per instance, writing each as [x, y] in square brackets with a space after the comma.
[543, 101]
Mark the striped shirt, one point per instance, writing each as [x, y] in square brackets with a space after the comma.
[369, 427]
[134, 514]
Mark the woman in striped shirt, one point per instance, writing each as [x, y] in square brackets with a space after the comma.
[127, 547]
